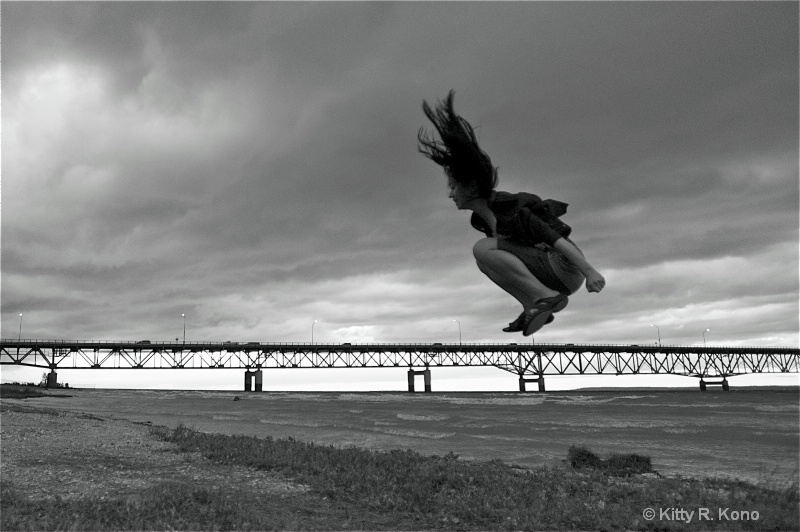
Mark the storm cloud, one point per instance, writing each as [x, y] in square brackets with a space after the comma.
[254, 166]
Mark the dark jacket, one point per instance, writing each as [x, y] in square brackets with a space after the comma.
[525, 218]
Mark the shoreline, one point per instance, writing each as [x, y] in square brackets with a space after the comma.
[750, 434]
[97, 473]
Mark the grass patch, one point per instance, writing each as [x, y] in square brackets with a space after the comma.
[16, 390]
[169, 506]
[358, 489]
[445, 492]
[20, 391]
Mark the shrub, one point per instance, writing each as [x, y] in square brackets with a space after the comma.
[617, 464]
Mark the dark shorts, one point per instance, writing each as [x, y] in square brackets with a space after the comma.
[547, 265]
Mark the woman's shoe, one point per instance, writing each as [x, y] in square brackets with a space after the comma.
[540, 314]
[516, 325]
[519, 324]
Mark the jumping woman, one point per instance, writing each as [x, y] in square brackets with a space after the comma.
[526, 251]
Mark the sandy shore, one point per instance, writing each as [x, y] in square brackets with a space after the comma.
[51, 453]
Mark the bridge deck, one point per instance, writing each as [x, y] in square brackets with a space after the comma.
[521, 359]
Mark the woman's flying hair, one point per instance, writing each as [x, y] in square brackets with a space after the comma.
[457, 151]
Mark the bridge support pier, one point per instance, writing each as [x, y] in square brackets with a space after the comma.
[539, 380]
[723, 383]
[52, 379]
[248, 380]
[425, 373]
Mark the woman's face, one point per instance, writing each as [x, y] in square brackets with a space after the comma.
[461, 194]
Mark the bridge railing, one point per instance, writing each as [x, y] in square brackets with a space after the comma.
[206, 344]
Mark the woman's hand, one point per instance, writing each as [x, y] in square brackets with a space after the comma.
[594, 281]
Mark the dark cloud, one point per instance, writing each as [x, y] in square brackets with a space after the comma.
[254, 165]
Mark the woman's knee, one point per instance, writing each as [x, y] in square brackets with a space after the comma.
[482, 247]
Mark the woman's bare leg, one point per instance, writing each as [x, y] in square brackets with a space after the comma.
[509, 273]
[594, 281]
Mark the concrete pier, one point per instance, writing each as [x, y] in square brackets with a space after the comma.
[723, 383]
[256, 375]
[523, 381]
[426, 373]
[52, 379]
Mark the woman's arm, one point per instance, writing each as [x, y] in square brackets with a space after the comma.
[594, 281]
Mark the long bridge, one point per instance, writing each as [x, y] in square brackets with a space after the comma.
[530, 362]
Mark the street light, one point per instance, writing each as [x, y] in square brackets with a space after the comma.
[459, 331]
[184, 327]
[704, 336]
[312, 331]
[659, 333]
[20, 327]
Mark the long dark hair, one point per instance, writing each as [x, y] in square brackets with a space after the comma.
[457, 151]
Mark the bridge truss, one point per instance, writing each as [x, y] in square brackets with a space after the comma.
[531, 362]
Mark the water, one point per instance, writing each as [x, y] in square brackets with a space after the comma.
[751, 434]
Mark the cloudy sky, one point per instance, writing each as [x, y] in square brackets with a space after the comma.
[254, 167]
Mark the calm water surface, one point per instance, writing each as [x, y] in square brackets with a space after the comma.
[752, 434]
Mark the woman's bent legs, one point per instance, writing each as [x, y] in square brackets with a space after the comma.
[509, 273]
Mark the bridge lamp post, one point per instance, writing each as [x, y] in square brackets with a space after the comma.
[659, 333]
[459, 331]
[312, 331]
[20, 327]
[704, 336]
[184, 327]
